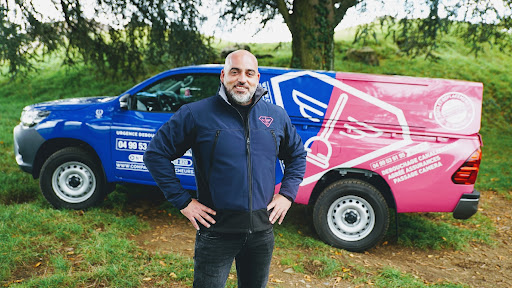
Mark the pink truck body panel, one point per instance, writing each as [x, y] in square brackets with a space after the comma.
[413, 132]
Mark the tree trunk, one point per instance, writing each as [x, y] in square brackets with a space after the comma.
[312, 28]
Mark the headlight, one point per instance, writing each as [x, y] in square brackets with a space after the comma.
[30, 117]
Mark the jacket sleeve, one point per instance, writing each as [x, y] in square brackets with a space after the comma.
[292, 152]
[170, 142]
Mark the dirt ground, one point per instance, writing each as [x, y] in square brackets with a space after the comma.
[479, 265]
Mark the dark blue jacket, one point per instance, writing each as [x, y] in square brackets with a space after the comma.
[234, 161]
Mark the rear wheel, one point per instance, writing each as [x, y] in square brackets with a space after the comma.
[71, 178]
[351, 214]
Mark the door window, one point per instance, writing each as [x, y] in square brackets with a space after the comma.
[169, 94]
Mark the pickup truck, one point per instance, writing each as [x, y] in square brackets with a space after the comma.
[374, 143]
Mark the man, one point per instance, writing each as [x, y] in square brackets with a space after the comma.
[235, 139]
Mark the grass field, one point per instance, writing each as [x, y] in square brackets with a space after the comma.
[79, 249]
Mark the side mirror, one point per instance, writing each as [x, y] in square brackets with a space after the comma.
[124, 101]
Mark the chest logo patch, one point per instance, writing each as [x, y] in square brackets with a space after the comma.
[266, 120]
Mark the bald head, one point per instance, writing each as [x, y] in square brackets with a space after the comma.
[240, 56]
[240, 76]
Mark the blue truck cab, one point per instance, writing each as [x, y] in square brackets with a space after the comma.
[80, 148]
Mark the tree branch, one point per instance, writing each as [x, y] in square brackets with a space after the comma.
[340, 12]
[283, 9]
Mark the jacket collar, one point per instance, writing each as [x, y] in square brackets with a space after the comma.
[260, 91]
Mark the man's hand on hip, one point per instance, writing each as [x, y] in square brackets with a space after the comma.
[280, 204]
[195, 211]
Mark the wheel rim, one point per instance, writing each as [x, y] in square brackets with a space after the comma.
[73, 182]
[351, 218]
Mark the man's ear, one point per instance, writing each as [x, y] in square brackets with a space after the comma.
[222, 75]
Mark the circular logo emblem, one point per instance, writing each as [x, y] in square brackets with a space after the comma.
[99, 113]
[454, 111]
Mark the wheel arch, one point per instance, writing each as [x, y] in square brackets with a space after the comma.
[353, 173]
[53, 145]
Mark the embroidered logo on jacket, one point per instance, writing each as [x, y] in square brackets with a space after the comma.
[266, 120]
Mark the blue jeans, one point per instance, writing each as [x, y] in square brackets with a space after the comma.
[215, 252]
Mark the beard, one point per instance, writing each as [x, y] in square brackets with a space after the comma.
[240, 98]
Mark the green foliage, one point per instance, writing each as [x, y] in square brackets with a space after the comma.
[156, 32]
[430, 231]
[392, 278]
[483, 23]
[495, 172]
[476, 23]
[12, 42]
[60, 239]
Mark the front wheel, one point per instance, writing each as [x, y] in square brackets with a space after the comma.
[352, 215]
[70, 178]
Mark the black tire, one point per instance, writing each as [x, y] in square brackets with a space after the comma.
[71, 178]
[352, 215]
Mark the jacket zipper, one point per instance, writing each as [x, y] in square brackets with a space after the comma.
[249, 171]
[212, 155]
[275, 140]
[248, 148]
[247, 132]
[249, 167]
[277, 152]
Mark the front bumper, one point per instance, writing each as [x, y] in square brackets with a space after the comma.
[26, 144]
[467, 206]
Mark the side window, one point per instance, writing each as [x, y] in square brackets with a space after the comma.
[169, 94]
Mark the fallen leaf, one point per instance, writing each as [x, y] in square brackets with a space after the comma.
[289, 271]
[147, 279]
[173, 275]
[37, 264]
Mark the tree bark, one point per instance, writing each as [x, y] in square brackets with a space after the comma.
[312, 24]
